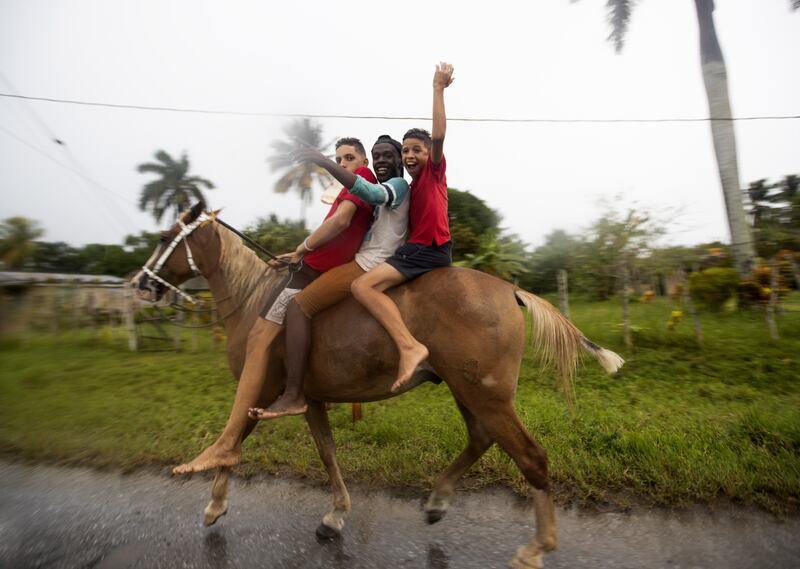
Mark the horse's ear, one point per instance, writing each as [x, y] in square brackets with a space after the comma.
[196, 210]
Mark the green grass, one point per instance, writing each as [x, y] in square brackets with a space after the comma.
[679, 424]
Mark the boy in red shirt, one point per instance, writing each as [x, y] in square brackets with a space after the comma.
[428, 245]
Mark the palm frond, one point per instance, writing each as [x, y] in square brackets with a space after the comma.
[287, 181]
[173, 188]
[198, 181]
[619, 16]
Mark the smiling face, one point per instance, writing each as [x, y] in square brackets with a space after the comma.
[415, 155]
[349, 158]
[386, 161]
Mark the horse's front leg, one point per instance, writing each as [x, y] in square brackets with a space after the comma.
[269, 393]
[219, 496]
[333, 521]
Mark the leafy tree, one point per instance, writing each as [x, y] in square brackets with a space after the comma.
[613, 242]
[57, 257]
[470, 218]
[301, 176]
[107, 260]
[502, 257]
[17, 236]
[560, 251]
[95, 258]
[173, 189]
[775, 211]
[277, 236]
[716, 84]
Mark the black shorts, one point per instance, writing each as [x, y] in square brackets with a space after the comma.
[414, 259]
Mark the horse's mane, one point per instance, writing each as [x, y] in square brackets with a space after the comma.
[244, 271]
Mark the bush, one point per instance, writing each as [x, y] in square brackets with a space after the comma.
[713, 287]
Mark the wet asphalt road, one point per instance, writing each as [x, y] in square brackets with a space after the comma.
[74, 517]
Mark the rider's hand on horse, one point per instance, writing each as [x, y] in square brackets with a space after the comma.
[443, 76]
[283, 261]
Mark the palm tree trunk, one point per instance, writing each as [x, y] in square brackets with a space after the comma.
[716, 81]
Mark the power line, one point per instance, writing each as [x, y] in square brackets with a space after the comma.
[78, 167]
[393, 118]
[111, 211]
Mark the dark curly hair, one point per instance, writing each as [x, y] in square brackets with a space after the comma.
[419, 134]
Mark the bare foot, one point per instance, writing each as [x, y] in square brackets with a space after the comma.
[282, 407]
[212, 457]
[409, 360]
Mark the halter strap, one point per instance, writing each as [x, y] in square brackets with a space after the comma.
[185, 231]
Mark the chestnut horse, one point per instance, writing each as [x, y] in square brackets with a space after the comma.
[470, 322]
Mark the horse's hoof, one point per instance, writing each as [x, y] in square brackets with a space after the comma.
[434, 516]
[527, 558]
[327, 532]
[213, 513]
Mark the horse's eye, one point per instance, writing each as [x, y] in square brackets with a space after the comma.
[164, 237]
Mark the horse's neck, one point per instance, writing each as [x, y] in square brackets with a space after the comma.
[226, 302]
[235, 295]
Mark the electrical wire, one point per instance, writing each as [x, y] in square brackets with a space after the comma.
[78, 167]
[112, 212]
[393, 118]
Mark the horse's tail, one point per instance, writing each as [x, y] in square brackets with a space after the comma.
[559, 341]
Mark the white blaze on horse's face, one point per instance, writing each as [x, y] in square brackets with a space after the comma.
[156, 277]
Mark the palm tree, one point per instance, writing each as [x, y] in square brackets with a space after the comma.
[174, 188]
[17, 236]
[298, 176]
[716, 83]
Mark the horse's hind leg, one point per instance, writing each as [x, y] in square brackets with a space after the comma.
[333, 521]
[479, 443]
[505, 428]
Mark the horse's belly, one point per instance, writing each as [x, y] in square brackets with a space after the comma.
[353, 358]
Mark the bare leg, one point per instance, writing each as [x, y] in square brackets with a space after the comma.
[369, 291]
[298, 346]
[479, 443]
[226, 451]
[333, 521]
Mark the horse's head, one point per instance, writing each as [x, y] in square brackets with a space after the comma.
[185, 250]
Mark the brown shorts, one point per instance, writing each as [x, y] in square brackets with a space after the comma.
[329, 288]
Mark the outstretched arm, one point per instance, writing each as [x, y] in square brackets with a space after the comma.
[344, 177]
[442, 79]
[390, 193]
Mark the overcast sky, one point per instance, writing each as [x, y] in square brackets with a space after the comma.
[512, 60]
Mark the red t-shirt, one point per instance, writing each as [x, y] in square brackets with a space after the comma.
[342, 248]
[427, 214]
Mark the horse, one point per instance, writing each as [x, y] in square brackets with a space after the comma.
[470, 321]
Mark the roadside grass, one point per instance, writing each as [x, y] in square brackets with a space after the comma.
[679, 424]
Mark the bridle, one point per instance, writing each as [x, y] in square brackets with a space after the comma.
[182, 235]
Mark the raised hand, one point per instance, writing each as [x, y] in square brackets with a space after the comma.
[308, 154]
[443, 76]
